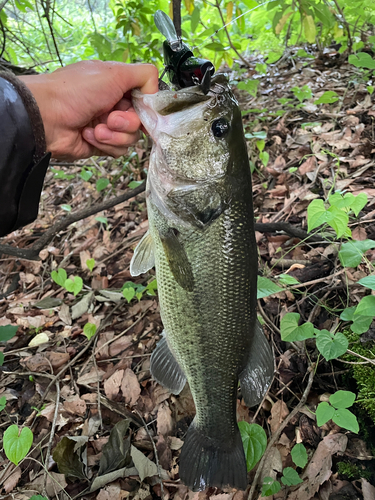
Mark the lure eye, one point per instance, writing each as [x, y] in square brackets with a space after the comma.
[220, 127]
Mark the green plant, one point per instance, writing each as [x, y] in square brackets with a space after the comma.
[90, 263]
[337, 411]
[131, 290]
[89, 330]
[263, 155]
[73, 284]
[302, 93]
[3, 402]
[17, 443]
[352, 471]
[254, 440]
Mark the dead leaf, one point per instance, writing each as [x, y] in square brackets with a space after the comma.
[11, 482]
[110, 492]
[319, 468]
[40, 338]
[57, 359]
[116, 452]
[367, 489]
[130, 387]
[36, 363]
[68, 460]
[308, 166]
[112, 384]
[55, 483]
[49, 411]
[164, 421]
[82, 306]
[144, 466]
[92, 377]
[64, 314]
[279, 412]
[75, 405]
[359, 233]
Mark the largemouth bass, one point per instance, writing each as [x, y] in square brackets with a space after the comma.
[201, 241]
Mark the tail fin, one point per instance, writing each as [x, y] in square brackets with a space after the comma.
[205, 462]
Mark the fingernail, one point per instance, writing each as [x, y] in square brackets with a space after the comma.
[103, 134]
[88, 134]
[119, 123]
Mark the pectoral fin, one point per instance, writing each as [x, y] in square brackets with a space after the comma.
[257, 376]
[143, 259]
[177, 259]
[165, 369]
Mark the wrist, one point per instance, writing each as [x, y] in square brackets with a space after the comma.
[43, 93]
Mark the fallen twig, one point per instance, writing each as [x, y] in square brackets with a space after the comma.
[52, 435]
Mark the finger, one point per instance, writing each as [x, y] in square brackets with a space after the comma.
[102, 136]
[123, 105]
[98, 148]
[143, 76]
[127, 122]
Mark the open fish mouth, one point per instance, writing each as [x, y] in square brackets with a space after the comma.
[172, 112]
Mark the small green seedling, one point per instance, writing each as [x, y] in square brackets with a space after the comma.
[254, 441]
[17, 443]
[337, 411]
[89, 330]
[90, 263]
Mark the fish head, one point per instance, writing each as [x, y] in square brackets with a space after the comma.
[194, 134]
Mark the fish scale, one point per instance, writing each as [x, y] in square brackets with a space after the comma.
[201, 229]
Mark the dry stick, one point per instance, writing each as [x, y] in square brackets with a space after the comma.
[48, 453]
[277, 434]
[372, 361]
[33, 252]
[155, 453]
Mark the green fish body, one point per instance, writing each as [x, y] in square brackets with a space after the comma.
[202, 243]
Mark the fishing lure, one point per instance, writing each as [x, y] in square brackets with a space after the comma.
[183, 68]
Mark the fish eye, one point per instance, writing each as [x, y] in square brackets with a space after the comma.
[220, 127]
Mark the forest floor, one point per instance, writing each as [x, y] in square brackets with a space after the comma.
[99, 382]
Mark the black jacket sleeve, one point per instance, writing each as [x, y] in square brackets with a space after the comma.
[23, 157]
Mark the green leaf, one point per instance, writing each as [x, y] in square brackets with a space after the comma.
[74, 285]
[2, 357]
[270, 486]
[67, 208]
[103, 220]
[90, 263]
[59, 276]
[327, 98]
[195, 18]
[358, 203]
[346, 419]
[299, 455]
[3, 403]
[38, 497]
[254, 441]
[342, 399]
[368, 281]
[285, 279]
[89, 330]
[101, 184]
[290, 477]
[366, 307]
[309, 28]
[266, 287]
[329, 345]
[262, 134]
[302, 93]
[361, 324]
[17, 444]
[128, 293]
[264, 157]
[134, 184]
[362, 60]
[7, 332]
[348, 313]
[290, 331]
[260, 145]
[86, 175]
[338, 220]
[351, 253]
[68, 460]
[251, 86]
[215, 46]
[324, 412]
[370, 89]
[152, 287]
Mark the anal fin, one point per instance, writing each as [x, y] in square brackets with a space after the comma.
[257, 376]
[143, 259]
[165, 369]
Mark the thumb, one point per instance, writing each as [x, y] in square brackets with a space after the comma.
[142, 76]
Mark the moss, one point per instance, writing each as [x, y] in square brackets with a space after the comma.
[364, 375]
[352, 471]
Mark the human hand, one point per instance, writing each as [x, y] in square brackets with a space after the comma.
[86, 107]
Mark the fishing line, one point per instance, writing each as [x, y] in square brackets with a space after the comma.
[232, 21]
